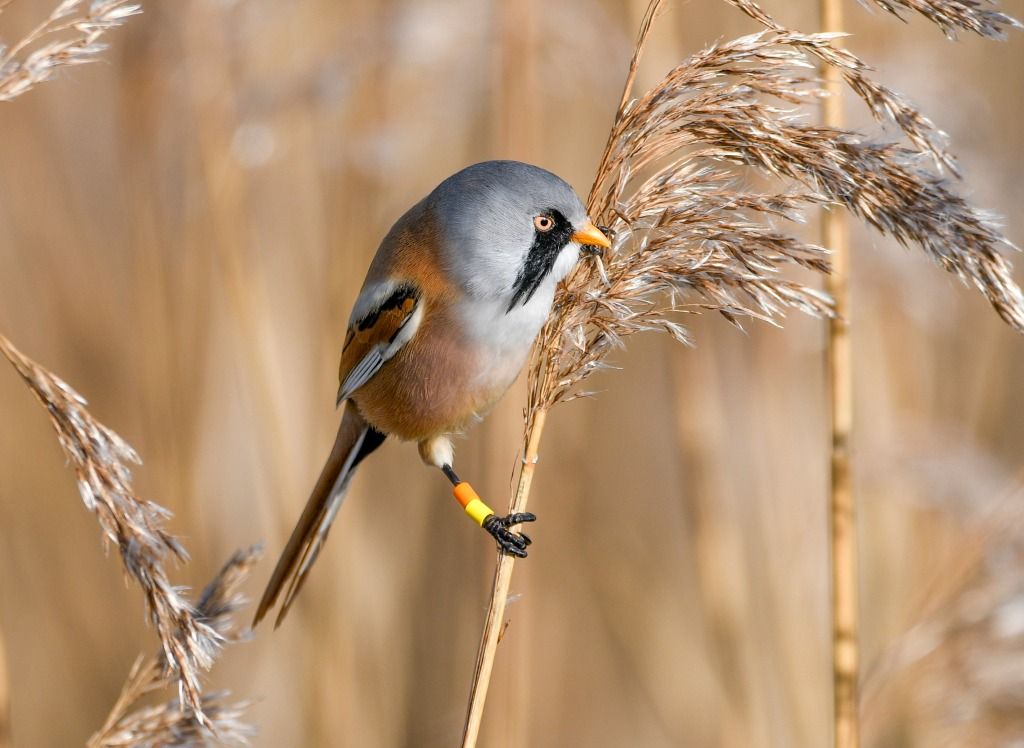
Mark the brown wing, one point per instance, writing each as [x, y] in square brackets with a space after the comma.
[371, 340]
[376, 337]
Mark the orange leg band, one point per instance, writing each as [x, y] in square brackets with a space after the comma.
[471, 502]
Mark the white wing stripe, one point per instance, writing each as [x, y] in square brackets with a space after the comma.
[375, 358]
[368, 366]
[405, 332]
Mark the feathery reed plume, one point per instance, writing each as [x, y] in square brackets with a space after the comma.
[101, 460]
[689, 236]
[220, 599]
[981, 265]
[691, 230]
[169, 724]
[68, 36]
[99, 457]
[956, 15]
[884, 104]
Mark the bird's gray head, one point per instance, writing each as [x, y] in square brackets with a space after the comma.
[509, 228]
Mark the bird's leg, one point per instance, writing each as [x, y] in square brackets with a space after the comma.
[508, 541]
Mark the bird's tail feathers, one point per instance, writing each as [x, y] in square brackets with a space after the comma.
[355, 440]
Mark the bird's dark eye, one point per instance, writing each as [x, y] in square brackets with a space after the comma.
[543, 223]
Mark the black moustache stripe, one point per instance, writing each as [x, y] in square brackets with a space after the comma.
[540, 259]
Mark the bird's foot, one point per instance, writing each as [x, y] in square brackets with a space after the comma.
[508, 541]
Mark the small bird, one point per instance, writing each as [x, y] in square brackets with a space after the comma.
[452, 302]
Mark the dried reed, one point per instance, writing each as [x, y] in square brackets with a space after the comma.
[691, 236]
[956, 15]
[169, 724]
[69, 36]
[842, 509]
[101, 460]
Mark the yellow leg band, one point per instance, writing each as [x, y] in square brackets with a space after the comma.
[474, 507]
[479, 511]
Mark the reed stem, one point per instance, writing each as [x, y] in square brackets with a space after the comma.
[494, 622]
[842, 510]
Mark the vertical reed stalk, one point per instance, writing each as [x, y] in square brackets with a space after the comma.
[518, 116]
[494, 622]
[842, 515]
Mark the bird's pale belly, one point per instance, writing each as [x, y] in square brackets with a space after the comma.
[437, 385]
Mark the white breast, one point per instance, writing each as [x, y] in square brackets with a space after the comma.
[501, 337]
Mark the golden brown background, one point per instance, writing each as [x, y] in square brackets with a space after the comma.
[182, 230]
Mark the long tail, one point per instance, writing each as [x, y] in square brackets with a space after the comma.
[356, 439]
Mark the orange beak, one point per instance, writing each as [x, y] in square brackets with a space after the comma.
[591, 236]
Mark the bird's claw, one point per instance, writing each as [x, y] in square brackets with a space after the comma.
[508, 541]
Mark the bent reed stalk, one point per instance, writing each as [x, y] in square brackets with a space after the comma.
[690, 235]
[190, 635]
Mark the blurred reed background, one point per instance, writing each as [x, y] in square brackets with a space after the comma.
[182, 231]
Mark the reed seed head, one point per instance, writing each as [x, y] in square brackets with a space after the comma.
[676, 186]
